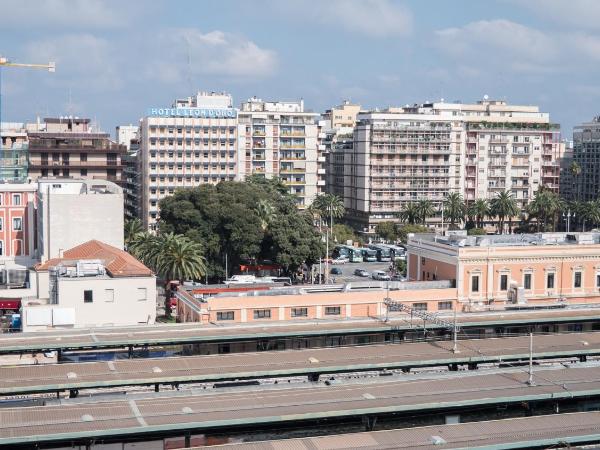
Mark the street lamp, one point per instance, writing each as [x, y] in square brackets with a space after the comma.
[568, 216]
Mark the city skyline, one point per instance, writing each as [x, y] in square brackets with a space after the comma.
[114, 61]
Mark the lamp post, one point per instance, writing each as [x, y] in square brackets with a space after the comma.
[568, 216]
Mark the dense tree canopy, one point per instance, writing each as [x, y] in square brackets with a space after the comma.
[387, 231]
[243, 220]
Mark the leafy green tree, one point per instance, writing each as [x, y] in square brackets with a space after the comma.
[409, 213]
[132, 228]
[266, 213]
[454, 208]
[405, 230]
[401, 267]
[476, 232]
[387, 231]
[503, 206]
[343, 233]
[426, 209]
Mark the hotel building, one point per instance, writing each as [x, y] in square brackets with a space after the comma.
[404, 155]
[279, 139]
[192, 143]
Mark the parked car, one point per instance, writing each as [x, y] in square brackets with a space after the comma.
[361, 273]
[340, 260]
[398, 278]
[380, 275]
[336, 271]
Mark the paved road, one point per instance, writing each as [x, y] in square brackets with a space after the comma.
[349, 268]
[212, 411]
[58, 377]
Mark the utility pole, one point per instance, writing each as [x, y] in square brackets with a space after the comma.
[455, 335]
[530, 381]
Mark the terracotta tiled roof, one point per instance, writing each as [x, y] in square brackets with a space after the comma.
[118, 263]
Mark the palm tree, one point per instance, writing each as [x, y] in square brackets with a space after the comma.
[545, 205]
[132, 228]
[454, 208]
[141, 246]
[409, 213]
[177, 257]
[331, 206]
[266, 213]
[575, 170]
[589, 212]
[503, 206]
[479, 209]
[425, 209]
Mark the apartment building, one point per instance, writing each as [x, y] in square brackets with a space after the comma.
[586, 155]
[126, 134]
[13, 152]
[69, 148]
[18, 242]
[279, 139]
[193, 142]
[403, 155]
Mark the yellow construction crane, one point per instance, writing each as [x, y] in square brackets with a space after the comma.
[51, 66]
[4, 62]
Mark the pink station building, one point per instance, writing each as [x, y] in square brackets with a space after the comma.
[445, 274]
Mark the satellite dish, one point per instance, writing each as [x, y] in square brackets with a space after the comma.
[485, 97]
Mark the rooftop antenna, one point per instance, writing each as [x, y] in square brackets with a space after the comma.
[70, 107]
[189, 62]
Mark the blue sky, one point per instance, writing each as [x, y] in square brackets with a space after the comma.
[115, 59]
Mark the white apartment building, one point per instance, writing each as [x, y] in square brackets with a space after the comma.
[193, 142]
[71, 212]
[403, 155]
[279, 139]
[126, 134]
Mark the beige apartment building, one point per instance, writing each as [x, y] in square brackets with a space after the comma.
[403, 155]
[68, 147]
[279, 139]
[193, 142]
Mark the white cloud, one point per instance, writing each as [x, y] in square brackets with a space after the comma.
[577, 13]
[376, 18]
[81, 60]
[71, 13]
[219, 53]
[505, 45]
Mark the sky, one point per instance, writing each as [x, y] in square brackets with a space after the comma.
[116, 59]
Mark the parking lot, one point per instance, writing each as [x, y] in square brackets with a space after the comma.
[349, 268]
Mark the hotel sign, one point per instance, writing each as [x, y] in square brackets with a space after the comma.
[228, 113]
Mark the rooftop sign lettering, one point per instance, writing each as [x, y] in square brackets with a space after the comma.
[192, 112]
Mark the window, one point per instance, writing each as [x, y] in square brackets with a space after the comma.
[1, 223]
[444, 305]
[1, 248]
[88, 296]
[550, 281]
[83, 157]
[109, 295]
[332, 310]
[420, 306]
[303, 312]
[17, 224]
[16, 199]
[262, 313]
[503, 282]
[577, 280]
[527, 281]
[83, 172]
[597, 280]
[225, 315]
[475, 283]
[142, 294]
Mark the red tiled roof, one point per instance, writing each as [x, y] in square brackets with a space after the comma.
[118, 262]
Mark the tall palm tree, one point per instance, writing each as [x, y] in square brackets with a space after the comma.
[545, 206]
[575, 170]
[331, 207]
[589, 212]
[132, 228]
[503, 206]
[266, 213]
[454, 208]
[409, 213]
[177, 257]
[426, 209]
[479, 209]
[141, 246]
